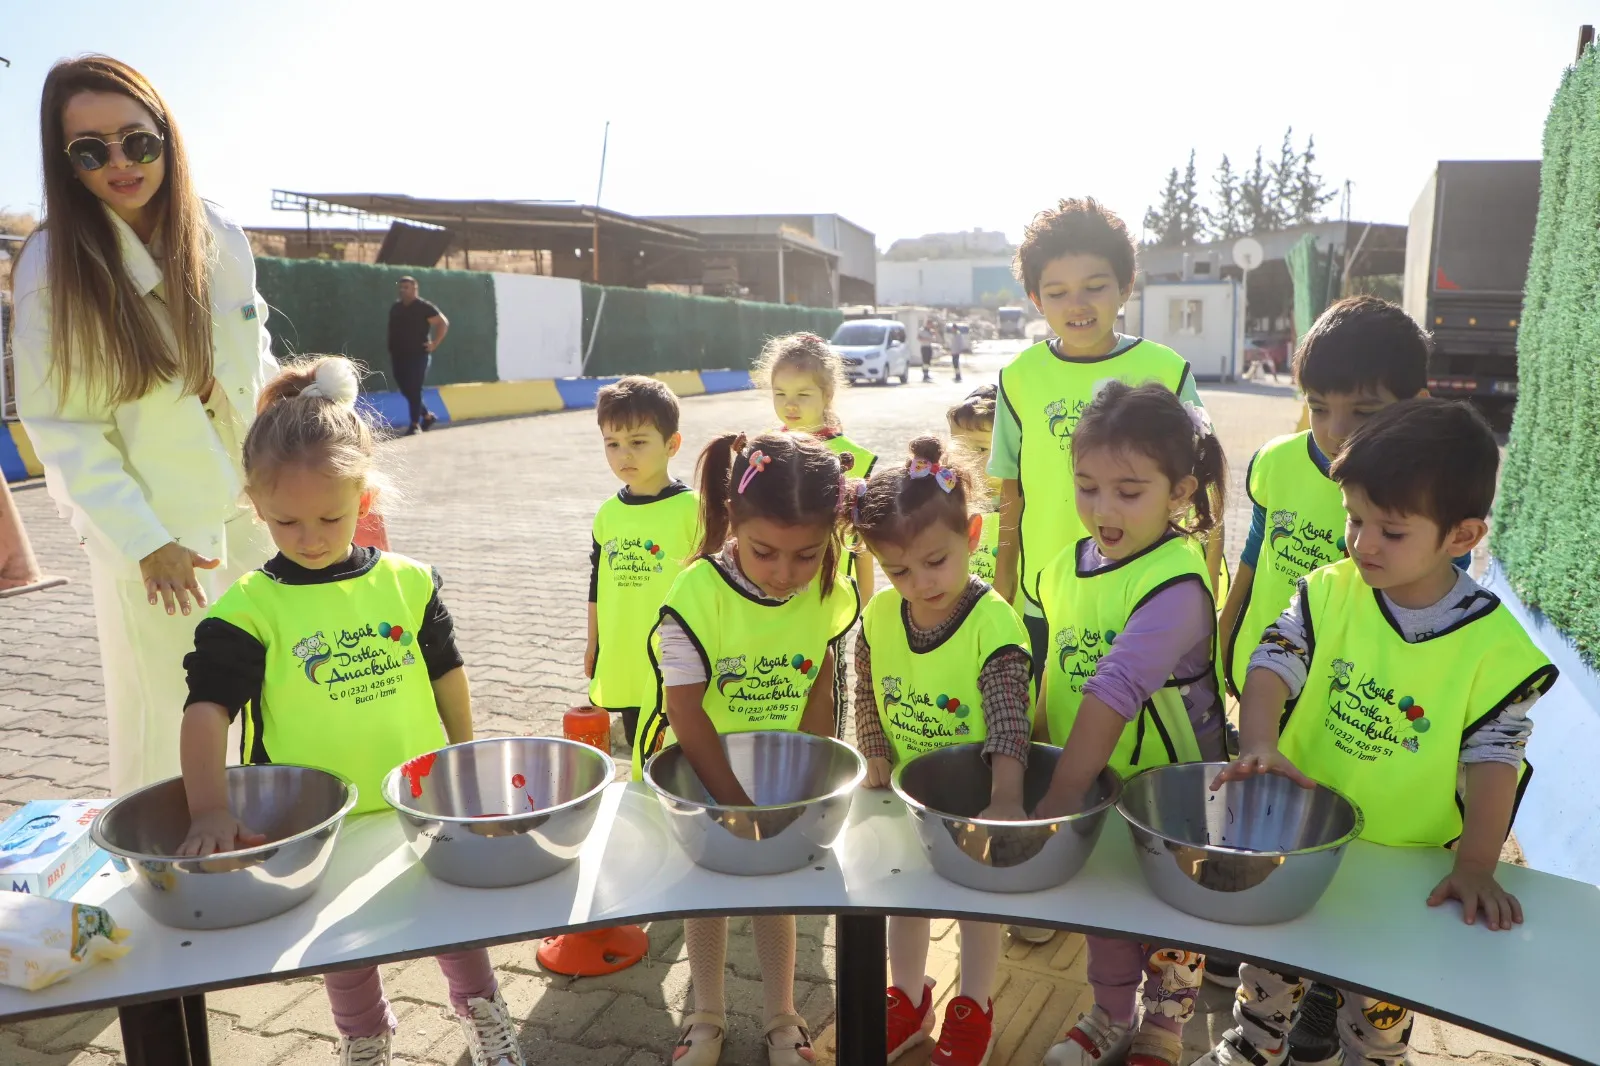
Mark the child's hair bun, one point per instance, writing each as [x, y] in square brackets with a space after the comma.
[847, 462]
[335, 379]
[928, 448]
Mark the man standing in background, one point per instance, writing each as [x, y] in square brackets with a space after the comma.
[416, 329]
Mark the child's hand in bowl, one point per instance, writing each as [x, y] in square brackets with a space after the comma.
[1004, 811]
[878, 772]
[216, 831]
[1255, 763]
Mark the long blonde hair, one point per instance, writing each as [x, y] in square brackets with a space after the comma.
[102, 328]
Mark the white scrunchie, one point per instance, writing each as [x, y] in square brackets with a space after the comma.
[335, 380]
[1199, 419]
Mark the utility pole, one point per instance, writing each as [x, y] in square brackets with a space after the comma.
[605, 142]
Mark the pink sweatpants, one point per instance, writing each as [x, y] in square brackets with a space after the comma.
[361, 1009]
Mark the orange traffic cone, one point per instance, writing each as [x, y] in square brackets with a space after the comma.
[372, 533]
[19, 570]
[596, 953]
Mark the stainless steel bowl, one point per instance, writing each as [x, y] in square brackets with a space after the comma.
[506, 811]
[1257, 851]
[946, 790]
[299, 809]
[801, 784]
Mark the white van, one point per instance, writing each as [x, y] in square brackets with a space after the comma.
[873, 349]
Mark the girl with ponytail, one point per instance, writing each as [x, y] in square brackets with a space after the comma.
[1131, 678]
[744, 643]
[338, 657]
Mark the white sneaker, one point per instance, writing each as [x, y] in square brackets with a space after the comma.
[491, 1034]
[1092, 1040]
[1029, 935]
[1234, 1050]
[364, 1050]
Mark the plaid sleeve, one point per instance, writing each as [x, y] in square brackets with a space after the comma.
[870, 738]
[1004, 683]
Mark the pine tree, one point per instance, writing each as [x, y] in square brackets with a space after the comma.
[1226, 218]
[1285, 181]
[1310, 195]
[1258, 212]
[1191, 216]
[1162, 223]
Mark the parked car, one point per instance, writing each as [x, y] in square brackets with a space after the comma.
[873, 350]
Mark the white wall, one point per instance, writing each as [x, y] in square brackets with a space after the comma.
[1210, 339]
[539, 327]
[930, 282]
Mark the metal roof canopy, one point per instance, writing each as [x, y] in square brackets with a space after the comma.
[765, 242]
[500, 225]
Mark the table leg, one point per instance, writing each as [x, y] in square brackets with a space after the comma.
[156, 1034]
[862, 977]
[194, 1021]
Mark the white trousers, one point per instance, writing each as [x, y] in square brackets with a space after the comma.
[141, 653]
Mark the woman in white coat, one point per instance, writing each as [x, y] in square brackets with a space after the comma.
[140, 346]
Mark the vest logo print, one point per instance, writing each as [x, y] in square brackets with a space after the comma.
[1299, 546]
[921, 718]
[1061, 418]
[982, 562]
[632, 561]
[1367, 721]
[1091, 645]
[761, 690]
[362, 664]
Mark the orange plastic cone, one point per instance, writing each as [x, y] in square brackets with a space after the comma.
[596, 953]
[19, 570]
[372, 533]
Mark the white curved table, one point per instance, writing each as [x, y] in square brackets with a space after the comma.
[1372, 932]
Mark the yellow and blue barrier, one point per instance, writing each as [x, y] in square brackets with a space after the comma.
[451, 403]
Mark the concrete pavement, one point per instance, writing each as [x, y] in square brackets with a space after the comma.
[503, 510]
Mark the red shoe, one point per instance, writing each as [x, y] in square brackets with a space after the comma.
[908, 1025]
[968, 1034]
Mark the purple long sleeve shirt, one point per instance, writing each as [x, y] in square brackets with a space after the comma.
[1170, 636]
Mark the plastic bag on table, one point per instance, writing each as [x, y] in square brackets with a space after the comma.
[43, 940]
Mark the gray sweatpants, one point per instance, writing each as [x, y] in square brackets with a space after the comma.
[1371, 1031]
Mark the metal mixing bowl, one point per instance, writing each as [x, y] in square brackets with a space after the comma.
[299, 809]
[946, 790]
[506, 811]
[1257, 851]
[801, 785]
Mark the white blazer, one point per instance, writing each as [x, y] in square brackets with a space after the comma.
[134, 477]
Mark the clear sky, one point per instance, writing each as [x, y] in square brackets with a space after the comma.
[902, 118]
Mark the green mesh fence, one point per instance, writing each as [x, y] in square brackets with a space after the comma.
[321, 306]
[1545, 526]
[643, 332]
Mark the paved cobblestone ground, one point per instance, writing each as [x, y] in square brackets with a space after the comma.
[503, 510]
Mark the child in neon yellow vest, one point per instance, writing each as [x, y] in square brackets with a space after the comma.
[1132, 678]
[972, 429]
[744, 643]
[643, 536]
[1417, 678]
[342, 658]
[941, 660]
[1360, 356]
[1076, 263]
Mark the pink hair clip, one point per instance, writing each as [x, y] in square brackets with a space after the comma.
[944, 475]
[758, 462]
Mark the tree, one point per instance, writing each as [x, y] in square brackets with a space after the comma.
[1179, 220]
[1191, 216]
[1226, 219]
[1258, 211]
[1285, 180]
[1310, 195]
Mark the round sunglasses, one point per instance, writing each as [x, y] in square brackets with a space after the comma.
[92, 153]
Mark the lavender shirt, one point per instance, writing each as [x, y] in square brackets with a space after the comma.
[1170, 636]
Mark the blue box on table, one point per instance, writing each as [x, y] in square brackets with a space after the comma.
[46, 850]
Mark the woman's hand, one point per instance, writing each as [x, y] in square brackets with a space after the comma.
[218, 830]
[168, 574]
[878, 773]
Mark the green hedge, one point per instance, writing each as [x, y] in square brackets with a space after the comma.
[324, 306]
[642, 332]
[1545, 524]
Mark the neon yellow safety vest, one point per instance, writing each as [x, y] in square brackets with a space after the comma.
[1305, 530]
[1382, 720]
[981, 562]
[930, 699]
[1047, 395]
[762, 657]
[643, 547]
[1085, 610]
[346, 688]
[860, 470]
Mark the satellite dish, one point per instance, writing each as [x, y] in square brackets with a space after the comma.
[1248, 253]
